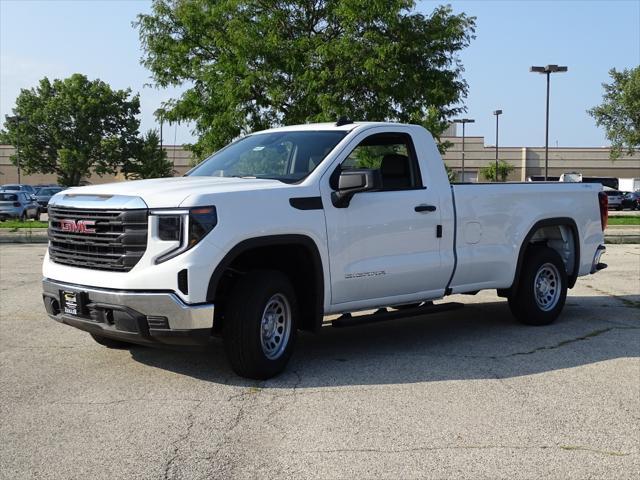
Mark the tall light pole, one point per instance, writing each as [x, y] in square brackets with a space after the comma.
[548, 70]
[463, 121]
[497, 113]
[16, 119]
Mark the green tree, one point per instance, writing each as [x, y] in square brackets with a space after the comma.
[254, 64]
[451, 174]
[149, 160]
[73, 128]
[504, 169]
[619, 112]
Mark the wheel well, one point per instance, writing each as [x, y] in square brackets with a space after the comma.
[299, 260]
[560, 234]
[559, 238]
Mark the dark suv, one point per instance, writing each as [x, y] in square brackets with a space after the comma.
[631, 200]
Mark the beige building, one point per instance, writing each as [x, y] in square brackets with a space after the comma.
[527, 161]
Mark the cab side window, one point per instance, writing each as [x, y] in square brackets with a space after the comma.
[390, 153]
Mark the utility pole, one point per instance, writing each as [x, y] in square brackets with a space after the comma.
[497, 113]
[548, 70]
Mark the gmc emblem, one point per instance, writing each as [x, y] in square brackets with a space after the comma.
[77, 226]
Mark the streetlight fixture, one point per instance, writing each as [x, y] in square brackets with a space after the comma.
[497, 113]
[16, 119]
[548, 70]
[463, 121]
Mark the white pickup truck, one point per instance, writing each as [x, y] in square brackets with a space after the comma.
[285, 227]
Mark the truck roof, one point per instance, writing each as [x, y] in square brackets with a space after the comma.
[328, 126]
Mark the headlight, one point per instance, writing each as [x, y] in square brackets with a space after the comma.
[182, 227]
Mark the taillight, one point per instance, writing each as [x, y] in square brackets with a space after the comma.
[604, 209]
[16, 204]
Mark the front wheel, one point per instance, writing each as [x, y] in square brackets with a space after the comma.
[260, 324]
[542, 288]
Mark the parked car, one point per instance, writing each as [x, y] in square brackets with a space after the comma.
[17, 204]
[615, 198]
[287, 227]
[44, 194]
[19, 187]
[631, 201]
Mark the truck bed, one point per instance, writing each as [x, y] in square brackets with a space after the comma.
[493, 219]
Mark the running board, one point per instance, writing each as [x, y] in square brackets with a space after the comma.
[383, 314]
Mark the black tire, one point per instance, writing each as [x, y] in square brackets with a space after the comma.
[243, 336]
[23, 216]
[542, 308]
[111, 342]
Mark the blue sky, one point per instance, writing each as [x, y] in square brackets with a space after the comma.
[59, 37]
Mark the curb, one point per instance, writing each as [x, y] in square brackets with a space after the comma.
[621, 239]
[24, 235]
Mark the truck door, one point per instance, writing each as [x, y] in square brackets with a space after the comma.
[385, 243]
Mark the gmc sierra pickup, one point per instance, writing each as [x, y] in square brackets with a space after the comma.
[285, 227]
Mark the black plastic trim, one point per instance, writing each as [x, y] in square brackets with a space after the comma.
[550, 222]
[306, 203]
[183, 281]
[276, 240]
[448, 290]
[144, 336]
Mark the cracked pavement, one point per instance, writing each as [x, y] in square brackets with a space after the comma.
[462, 394]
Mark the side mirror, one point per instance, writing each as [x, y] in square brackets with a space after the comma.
[351, 182]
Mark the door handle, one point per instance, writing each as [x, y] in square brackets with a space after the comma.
[425, 208]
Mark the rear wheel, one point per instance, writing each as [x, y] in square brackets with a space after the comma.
[23, 216]
[260, 324]
[542, 288]
[110, 342]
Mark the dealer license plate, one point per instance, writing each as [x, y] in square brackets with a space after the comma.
[69, 302]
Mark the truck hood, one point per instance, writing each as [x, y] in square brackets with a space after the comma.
[167, 192]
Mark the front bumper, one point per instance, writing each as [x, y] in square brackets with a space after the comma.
[132, 316]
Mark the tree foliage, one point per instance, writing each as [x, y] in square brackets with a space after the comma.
[72, 128]
[504, 169]
[149, 159]
[254, 64]
[451, 174]
[619, 112]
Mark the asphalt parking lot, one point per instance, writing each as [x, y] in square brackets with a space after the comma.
[464, 394]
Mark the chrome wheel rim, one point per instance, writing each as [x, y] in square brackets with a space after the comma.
[547, 287]
[275, 326]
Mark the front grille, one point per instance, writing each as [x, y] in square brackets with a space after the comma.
[118, 243]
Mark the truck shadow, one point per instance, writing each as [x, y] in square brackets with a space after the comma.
[480, 341]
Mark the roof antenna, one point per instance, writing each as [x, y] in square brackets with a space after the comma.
[343, 121]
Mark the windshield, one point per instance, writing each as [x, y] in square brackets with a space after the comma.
[284, 156]
[8, 197]
[11, 187]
